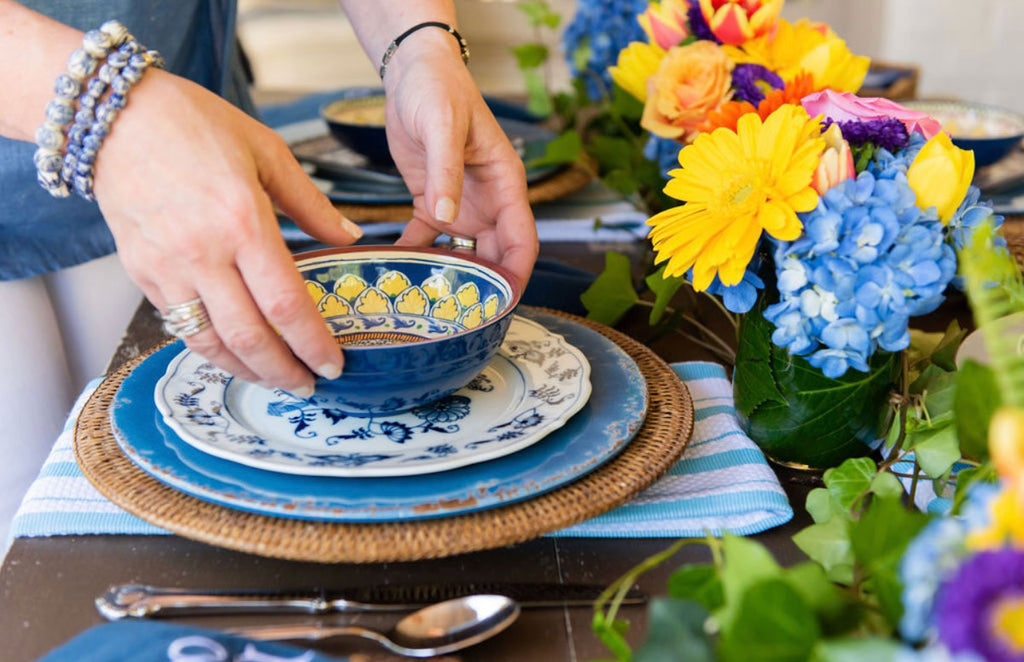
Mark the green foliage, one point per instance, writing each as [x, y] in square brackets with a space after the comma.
[664, 290]
[611, 295]
[532, 57]
[977, 398]
[675, 631]
[540, 14]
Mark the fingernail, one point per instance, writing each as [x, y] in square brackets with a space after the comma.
[444, 211]
[329, 371]
[351, 228]
[304, 392]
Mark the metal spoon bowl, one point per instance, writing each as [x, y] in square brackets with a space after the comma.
[439, 629]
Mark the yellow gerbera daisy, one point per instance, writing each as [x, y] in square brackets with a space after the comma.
[736, 184]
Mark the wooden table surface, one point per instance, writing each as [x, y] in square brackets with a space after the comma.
[47, 585]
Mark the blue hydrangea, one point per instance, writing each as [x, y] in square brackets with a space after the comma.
[969, 215]
[868, 260]
[605, 27]
[933, 556]
[664, 152]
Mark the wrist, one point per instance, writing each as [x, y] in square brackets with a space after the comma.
[427, 39]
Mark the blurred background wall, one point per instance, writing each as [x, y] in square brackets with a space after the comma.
[965, 49]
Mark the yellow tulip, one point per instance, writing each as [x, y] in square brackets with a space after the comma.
[940, 175]
[637, 62]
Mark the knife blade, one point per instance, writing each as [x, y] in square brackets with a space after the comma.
[141, 601]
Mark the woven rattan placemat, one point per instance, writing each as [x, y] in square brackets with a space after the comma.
[557, 185]
[656, 447]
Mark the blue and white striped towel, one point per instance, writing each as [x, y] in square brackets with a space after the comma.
[722, 483]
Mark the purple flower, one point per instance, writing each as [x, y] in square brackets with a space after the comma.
[887, 133]
[980, 608]
[698, 26]
[751, 81]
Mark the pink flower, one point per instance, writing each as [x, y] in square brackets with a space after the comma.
[844, 107]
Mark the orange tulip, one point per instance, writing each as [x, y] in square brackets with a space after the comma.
[666, 22]
[836, 164]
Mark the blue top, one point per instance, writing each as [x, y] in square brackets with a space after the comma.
[39, 233]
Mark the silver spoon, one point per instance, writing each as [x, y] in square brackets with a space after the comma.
[439, 629]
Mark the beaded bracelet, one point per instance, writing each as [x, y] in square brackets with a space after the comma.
[120, 83]
[393, 46]
[50, 136]
[64, 161]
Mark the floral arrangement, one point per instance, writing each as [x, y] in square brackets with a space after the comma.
[851, 206]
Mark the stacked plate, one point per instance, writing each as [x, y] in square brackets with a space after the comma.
[557, 402]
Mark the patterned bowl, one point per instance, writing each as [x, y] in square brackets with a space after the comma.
[415, 324]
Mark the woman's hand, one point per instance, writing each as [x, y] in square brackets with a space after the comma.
[465, 177]
[187, 184]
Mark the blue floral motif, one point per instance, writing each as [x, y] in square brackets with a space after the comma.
[869, 259]
[602, 28]
[445, 410]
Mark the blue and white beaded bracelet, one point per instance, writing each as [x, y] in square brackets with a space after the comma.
[63, 137]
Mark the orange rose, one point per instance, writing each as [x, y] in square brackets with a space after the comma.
[691, 81]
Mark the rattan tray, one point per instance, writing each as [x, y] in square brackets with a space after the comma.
[556, 186]
[656, 447]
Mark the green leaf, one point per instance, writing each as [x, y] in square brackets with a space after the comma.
[772, 624]
[675, 631]
[581, 57]
[977, 398]
[746, 563]
[699, 583]
[621, 181]
[796, 413]
[829, 545]
[611, 295]
[664, 289]
[610, 152]
[886, 485]
[857, 649]
[821, 507]
[538, 100]
[626, 105]
[530, 56]
[835, 611]
[967, 477]
[566, 148]
[850, 480]
[879, 539]
[612, 635]
[944, 355]
[539, 13]
[937, 450]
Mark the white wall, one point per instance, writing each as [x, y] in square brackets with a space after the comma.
[971, 49]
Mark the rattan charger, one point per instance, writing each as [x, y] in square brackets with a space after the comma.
[656, 447]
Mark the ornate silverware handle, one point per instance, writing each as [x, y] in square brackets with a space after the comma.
[140, 601]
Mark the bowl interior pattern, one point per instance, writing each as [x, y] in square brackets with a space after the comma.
[388, 298]
[988, 131]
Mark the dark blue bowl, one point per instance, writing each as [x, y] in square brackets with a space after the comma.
[990, 132]
[415, 324]
[358, 123]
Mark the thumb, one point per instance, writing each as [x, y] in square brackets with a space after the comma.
[445, 156]
[298, 197]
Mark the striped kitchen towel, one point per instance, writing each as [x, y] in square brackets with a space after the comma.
[722, 483]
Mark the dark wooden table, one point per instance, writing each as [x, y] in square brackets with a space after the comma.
[47, 585]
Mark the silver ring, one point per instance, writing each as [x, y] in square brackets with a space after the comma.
[186, 319]
[466, 243]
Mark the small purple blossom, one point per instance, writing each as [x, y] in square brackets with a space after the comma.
[750, 82]
[886, 133]
[969, 605]
[698, 26]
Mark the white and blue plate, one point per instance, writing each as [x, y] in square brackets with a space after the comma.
[600, 430]
[533, 386]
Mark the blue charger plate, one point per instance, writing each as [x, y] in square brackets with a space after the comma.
[613, 415]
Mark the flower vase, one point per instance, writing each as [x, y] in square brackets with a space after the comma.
[799, 417]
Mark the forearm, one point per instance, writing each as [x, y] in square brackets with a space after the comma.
[378, 22]
[36, 51]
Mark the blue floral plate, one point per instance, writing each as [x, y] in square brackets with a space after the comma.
[535, 384]
[599, 431]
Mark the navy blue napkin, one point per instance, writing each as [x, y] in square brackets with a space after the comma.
[156, 641]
